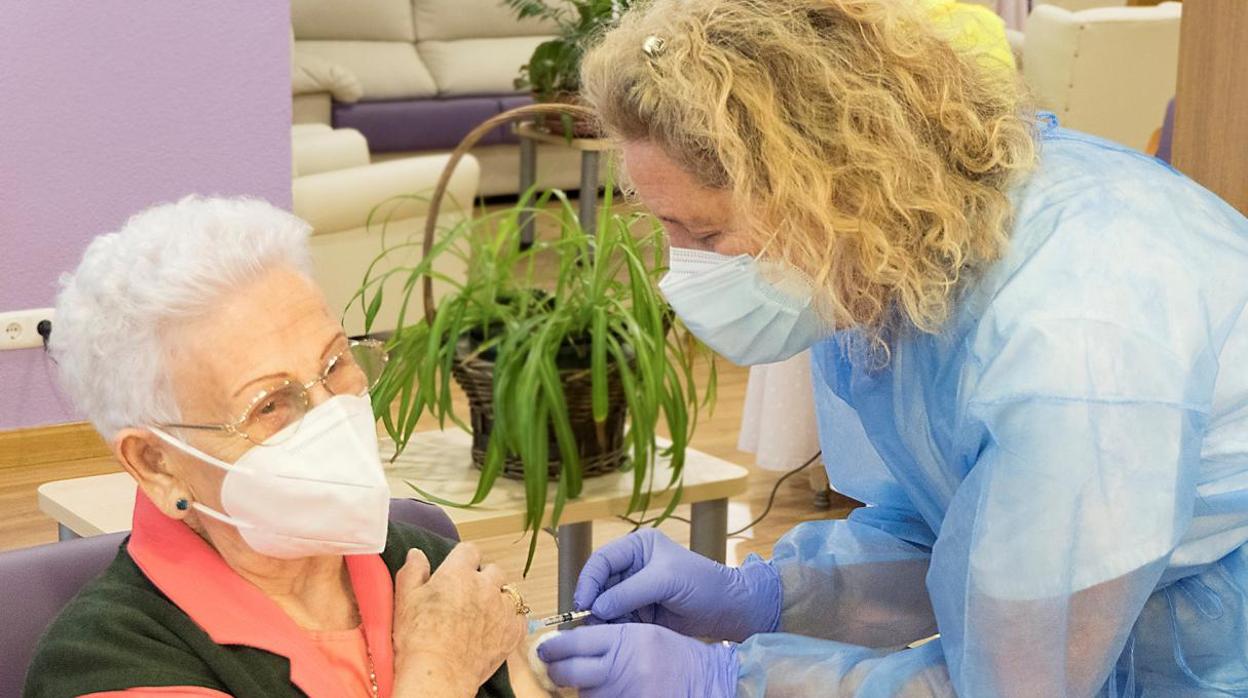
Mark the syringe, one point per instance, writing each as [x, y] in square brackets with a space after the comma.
[557, 619]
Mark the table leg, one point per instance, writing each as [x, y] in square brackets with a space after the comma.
[709, 533]
[576, 542]
[528, 176]
[63, 532]
[589, 191]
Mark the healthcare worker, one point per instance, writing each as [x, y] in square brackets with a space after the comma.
[1031, 363]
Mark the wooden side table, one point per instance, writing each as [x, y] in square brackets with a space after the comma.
[440, 462]
[530, 136]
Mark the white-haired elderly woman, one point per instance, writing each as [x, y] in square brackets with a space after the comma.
[261, 561]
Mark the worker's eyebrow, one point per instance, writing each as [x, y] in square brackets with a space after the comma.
[690, 224]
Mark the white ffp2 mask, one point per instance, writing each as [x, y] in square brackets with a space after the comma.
[748, 314]
[320, 492]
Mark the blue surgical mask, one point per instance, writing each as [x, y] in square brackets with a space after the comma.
[751, 312]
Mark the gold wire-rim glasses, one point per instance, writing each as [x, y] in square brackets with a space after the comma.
[375, 355]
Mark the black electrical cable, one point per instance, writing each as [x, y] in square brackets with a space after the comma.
[647, 522]
[44, 328]
[771, 500]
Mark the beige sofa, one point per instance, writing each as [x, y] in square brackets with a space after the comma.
[414, 75]
[1108, 71]
[335, 188]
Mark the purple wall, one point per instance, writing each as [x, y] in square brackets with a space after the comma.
[107, 107]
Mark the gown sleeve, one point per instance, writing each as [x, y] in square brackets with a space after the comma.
[859, 580]
[1081, 490]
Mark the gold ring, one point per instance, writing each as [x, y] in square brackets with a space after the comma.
[522, 609]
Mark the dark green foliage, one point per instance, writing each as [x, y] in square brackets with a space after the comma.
[601, 303]
[555, 65]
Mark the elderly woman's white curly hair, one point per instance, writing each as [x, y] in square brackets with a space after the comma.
[168, 263]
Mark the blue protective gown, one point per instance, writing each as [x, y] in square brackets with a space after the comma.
[1058, 482]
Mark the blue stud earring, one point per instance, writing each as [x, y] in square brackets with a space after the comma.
[182, 504]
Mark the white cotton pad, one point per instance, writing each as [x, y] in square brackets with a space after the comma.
[536, 663]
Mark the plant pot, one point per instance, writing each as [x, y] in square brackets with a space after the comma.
[556, 124]
[601, 447]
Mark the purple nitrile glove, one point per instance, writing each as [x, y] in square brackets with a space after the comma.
[627, 660]
[646, 577]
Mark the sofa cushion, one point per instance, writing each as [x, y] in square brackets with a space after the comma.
[367, 20]
[312, 74]
[512, 101]
[426, 124]
[458, 69]
[385, 69]
[447, 20]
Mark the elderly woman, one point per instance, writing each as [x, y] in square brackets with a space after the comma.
[261, 561]
[1031, 362]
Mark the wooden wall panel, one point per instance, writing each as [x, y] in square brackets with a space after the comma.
[51, 444]
[1211, 107]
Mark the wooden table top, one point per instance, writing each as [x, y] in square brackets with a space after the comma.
[533, 132]
[440, 463]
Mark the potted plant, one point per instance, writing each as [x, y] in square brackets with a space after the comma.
[568, 374]
[553, 72]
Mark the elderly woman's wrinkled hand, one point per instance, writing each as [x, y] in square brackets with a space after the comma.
[454, 627]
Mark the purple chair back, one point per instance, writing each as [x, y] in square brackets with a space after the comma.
[422, 514]
[36, 583]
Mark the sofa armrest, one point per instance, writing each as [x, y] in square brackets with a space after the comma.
[342, 200]
[326, 150]
[312, 74]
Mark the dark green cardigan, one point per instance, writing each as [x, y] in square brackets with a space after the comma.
[120, 632]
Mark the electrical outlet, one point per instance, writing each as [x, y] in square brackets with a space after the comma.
[18, 328]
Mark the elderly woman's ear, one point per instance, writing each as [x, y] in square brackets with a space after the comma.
[143, 456]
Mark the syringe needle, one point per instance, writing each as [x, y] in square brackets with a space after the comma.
[561, 618]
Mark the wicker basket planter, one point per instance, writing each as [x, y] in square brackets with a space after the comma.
[601, 446]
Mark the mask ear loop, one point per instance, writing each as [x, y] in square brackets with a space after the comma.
[223, 518]
[195, 452]
[183, 504]
[787, 278]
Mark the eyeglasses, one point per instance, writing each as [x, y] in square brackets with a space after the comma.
[274, 415]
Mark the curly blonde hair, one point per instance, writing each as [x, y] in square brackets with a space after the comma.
[859, 145]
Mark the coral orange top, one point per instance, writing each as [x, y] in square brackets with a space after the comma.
[234, 612]
[348, 654]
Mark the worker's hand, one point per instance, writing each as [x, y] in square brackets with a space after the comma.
[630, 659]
[645, 577]
[452, 629]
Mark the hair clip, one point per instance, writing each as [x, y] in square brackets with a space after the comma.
[653, 46]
